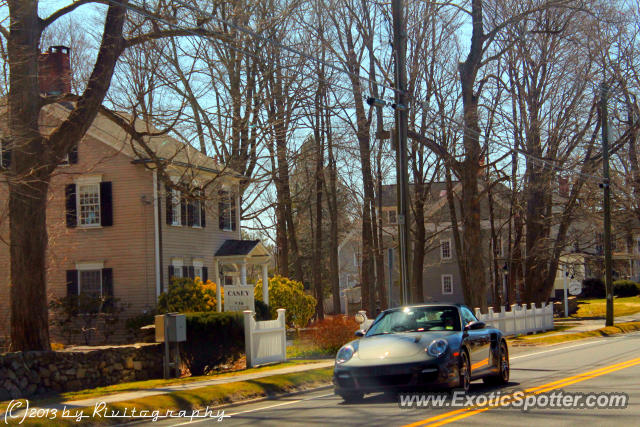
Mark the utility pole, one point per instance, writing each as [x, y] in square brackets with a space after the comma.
[402, 172]
[604, 93]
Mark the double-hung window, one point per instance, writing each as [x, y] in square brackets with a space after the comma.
[445, 250]
[447, 284]
[89, 204]
[227, 211]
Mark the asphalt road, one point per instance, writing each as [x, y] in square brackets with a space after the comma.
[599, 365]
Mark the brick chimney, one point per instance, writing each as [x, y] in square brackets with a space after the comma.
[55, 71]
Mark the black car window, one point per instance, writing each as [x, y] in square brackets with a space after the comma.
[417, 319]
[467, 316]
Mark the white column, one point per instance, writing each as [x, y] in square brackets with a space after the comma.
[265, 283]
[243, 273]
[218, 282]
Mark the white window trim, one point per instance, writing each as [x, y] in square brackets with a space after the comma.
[198, 264]
[442, 257]
[89, 265]
[176, 208]
[442, 279]
[65, 161]
[229, 197]
[177, 263]
[86, 180]
[197, 212]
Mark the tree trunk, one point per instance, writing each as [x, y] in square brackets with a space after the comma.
[476, 281]
[419, 243]
[28, 234]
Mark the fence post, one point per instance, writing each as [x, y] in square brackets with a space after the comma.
[248, 336]
[535, 326]
[478, 313]
[490, 316]
[283, 325]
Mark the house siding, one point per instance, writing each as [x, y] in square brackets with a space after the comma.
[189, 243]
[127, 246]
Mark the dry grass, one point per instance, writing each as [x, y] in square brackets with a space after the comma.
[620, 328]
[597, 307]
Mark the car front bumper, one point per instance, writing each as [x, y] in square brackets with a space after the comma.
[383, 377]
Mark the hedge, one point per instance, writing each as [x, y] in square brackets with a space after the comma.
[213, 339]
[625, 288]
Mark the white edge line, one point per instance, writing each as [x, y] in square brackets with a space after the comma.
[258, 409]
[562, 348]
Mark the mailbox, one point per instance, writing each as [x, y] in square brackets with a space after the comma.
[176, 327]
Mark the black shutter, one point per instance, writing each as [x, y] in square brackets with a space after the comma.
[106, 204]
[203, 221]
[192, 272]
[70, 198]
[185, 271]
[169, 204]
[5, 156]
[183, 211]
[72, 283]
[205, 274]
[233, 213]
[171, 273]
[73, 155]
[221, 196]
[107, 288]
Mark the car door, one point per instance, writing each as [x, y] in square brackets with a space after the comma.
[480, 344]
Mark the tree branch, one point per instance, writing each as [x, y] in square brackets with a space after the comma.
[436, 148]
[44, 23]
[174, 33]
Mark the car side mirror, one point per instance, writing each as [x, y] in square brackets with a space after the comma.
[472, 326]
[360, 333]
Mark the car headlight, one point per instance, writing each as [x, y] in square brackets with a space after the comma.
[437, 347]
[346, 353]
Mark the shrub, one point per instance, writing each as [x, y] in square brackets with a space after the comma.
[188, 296]
[333, 332]
[593, 288]
[134, 323]
[290, 295]
[625, 288]
[212, 339]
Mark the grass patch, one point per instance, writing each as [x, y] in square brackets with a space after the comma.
[620, 328]
[306, 349]
[590, 308]
[211, 396]
[151, 384]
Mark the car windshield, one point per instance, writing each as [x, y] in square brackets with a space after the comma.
[417, 319]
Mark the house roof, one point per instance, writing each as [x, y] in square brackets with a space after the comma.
[390, 194]
[237, 247]
[176, 153]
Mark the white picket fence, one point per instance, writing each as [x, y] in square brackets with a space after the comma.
[265, 341]
[520, 320]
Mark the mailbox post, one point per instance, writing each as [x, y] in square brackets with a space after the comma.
[171, 329]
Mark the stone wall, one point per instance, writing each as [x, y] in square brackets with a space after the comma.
[23, 374]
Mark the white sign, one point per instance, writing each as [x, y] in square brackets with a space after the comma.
[575, 288]
[238, 298]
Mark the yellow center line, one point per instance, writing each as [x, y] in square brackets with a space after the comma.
[462, 413]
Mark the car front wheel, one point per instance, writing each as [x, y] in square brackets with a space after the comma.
[502, 377]
[464, 372]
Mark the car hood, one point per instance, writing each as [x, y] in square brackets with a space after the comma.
[397, 346]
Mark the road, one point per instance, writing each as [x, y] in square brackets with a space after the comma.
[598, 365]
